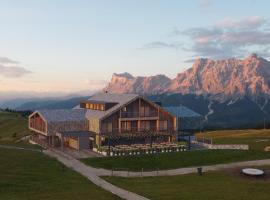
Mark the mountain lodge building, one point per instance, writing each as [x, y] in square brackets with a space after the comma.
[104, 120]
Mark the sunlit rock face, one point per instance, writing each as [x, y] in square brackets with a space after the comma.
[220, 79]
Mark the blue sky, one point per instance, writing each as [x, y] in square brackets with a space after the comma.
[68, 45]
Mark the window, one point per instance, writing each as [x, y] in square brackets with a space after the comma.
[109, 127]
[92, 106]
[163, 125]
[145, 125]
[126, 126]
[102, 107]
[146, 111]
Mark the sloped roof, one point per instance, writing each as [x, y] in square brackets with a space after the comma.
[63, 115]
[182, 111]
[120, 99]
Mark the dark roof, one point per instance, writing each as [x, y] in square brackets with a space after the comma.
[120, 99]
[96, 101]
[63, 115]
[182, 111]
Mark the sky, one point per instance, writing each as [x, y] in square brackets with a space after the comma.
[67, 46]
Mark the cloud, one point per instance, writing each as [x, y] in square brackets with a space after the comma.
[230, 38]
[224, 39]
[11, 69]
[205, 3]
[95, 83]
[6, 60]
[252, 22]
[158, 44]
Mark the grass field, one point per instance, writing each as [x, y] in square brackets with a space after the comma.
[256, 139]
[12, 126]
[212, 185]
[175, 160]
[29, 175]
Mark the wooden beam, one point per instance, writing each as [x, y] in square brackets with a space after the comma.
[119, 121]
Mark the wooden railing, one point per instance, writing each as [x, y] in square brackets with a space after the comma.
[136, 130]
[138, 114]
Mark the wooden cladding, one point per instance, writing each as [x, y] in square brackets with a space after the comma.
[139, 108]
[138, 116]
[36, 122]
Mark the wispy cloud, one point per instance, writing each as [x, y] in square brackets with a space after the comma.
[11, 69]
[226, 38]
[230, 38]
[5, 60]
[205, 3]
[95, 83]
[159, 44]
[249, 23]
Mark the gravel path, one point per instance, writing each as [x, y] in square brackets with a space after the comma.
[93, 175]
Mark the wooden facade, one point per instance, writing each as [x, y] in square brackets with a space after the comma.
[138, 118]
[37, 123]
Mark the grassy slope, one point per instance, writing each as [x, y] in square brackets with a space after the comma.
[12, 126]
[214, 185]
[256, 139]
[175, 160]
[32, 175]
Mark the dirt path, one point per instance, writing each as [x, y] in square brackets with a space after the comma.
[19, 148]
[93, 175]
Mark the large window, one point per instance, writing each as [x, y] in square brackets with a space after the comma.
[146, 111]
[126, 126]
[163, 125]
[145, 125]
[109, 127]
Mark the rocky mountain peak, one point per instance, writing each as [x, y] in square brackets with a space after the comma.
[223, 79]
[123, 75]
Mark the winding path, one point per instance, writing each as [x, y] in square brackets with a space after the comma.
[93, 174]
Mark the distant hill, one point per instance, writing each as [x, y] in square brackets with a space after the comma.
[244, 113]
[51, 104]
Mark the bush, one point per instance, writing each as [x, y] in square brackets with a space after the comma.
[14, 135]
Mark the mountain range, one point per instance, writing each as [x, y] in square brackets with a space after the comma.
[229, 93]
[221, 79]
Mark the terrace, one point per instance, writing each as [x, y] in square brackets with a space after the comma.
[140, 149]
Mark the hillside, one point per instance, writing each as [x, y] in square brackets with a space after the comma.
[12, 126]
[51, 104]
[243, 113]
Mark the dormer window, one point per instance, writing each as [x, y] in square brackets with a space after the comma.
[97, 105]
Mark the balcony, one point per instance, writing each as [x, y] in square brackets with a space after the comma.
[137, 130]
[127, 115]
